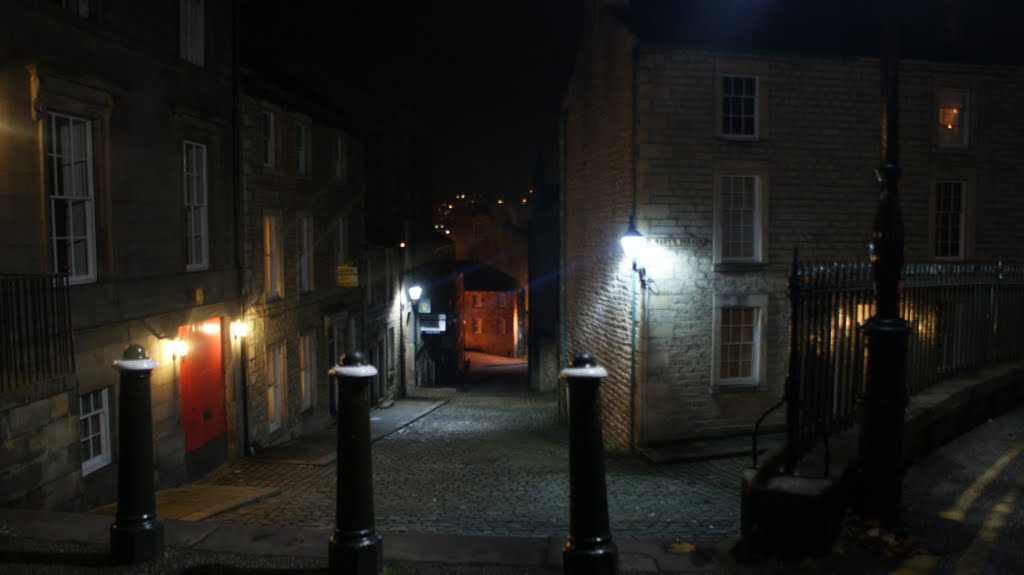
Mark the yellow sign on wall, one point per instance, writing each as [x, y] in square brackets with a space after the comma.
[347, 275]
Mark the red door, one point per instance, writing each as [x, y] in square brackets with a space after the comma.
[202, 384]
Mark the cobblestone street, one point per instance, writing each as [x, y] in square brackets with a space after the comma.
[494, 460]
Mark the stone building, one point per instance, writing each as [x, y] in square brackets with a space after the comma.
[305, 268]
[729, 143]
[117, 171]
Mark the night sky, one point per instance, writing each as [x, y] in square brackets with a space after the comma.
[485, 78]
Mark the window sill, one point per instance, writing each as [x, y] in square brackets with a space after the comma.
[727, 388]
[740, 267]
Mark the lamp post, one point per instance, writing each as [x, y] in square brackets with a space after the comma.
[883, 405]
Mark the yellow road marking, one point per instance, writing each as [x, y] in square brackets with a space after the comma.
[972, 562]
[966, 499]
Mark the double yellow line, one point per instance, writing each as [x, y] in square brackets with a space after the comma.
[975, 557]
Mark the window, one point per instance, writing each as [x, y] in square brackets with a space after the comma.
[275, 383]
[273, 264]
[268, 138]
[949, 219]
[478, 325]
[341, 241]
[478, 300]
[193, 31]
[739, 107]
[480, 231]
[499, 326]
[69, 185]
[196, 243]
[738, 219]
[737, 352]
[306, 370]
[952, 116]
[392, 349]
[300, 149]
[305, 253]
[76, 7]
[341, 158]
[94, 430]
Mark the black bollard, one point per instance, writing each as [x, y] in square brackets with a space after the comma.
[355, 548]
[136, 534]
[589, 550]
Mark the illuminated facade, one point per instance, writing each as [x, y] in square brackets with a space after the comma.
[117, 169]
[727, 156]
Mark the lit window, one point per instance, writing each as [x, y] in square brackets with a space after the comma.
[69, 185]
[738, 219]
[739, 106]
[341, 158]
[268, 138]
[478, 325]
[273, 266]
[196, 243]
[305, 253]
[275, 382]
[94, 430]
[737, 352]
[306, 370]
[952, 115]
[300, 149]
[949, 219]
[192, 31]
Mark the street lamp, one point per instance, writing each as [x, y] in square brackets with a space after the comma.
[415, 292]
[633, 244]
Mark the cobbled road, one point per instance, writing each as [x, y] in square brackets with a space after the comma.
[494, 461]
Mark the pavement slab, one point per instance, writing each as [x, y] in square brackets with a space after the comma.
[196, 502]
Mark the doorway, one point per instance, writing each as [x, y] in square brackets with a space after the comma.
[203, 419]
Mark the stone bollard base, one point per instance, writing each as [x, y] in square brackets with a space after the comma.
[602, 559]
[136, 542]
[358, 556]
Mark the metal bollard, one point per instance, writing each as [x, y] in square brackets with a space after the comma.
[589, 550]
[356, 547]
[136, 534]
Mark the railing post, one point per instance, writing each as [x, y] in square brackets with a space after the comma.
[356, 547]
[792, 391]
[136, 534]
[880, 447]
[589, 550]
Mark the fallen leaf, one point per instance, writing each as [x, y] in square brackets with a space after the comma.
[682, 548]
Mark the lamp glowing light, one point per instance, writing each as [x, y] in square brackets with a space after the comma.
[179, 348]
[239, 329]
[415, 292]
[632, 242]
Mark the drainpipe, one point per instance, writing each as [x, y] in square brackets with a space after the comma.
[236, 160]
[633, 291]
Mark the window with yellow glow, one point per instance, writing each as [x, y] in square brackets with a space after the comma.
[952, 116]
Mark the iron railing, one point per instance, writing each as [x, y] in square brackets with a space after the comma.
[961, 317]
[35, 330]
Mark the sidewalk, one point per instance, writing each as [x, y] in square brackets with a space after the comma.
[35, 541]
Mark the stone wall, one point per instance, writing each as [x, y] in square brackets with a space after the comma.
[40, 466]
[815, 153]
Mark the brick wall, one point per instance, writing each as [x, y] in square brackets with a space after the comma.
[490, 313]
[596, 206]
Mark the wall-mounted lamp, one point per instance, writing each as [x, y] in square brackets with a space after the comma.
[239, 329]
[415, 292]
[633, 244]
[179, 348]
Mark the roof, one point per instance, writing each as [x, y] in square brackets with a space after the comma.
[479, 276]
[949, 30]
